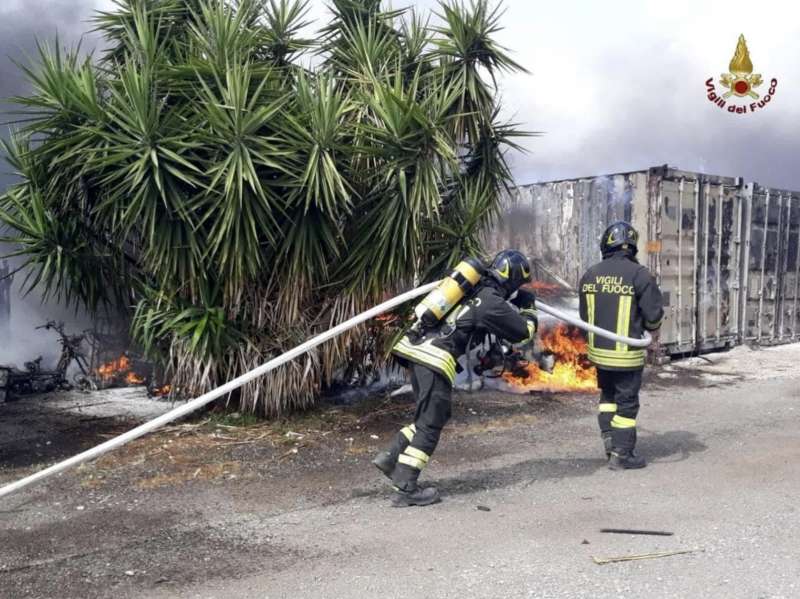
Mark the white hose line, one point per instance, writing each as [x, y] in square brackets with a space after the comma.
[230, 386]
[646, 339]
[207, 398]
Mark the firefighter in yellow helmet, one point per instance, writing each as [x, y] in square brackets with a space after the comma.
[621, 295]
[431, 351]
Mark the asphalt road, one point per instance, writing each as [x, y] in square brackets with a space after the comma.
[724, 477]
[723, 444]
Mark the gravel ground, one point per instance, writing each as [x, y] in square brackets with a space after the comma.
[293, 509]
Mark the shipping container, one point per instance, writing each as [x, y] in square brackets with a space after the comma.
[724, 252]
[770, 305]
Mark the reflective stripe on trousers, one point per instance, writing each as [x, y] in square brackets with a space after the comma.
[433, 394]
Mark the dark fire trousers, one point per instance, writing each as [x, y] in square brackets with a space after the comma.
[414, 444]
[619, 406]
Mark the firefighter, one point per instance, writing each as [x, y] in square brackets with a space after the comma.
[431, 354]
[621, 295]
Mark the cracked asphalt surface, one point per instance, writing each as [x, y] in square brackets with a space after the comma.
[312, 519]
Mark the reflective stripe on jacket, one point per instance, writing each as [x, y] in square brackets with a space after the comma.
[486, 313]
[619, 295]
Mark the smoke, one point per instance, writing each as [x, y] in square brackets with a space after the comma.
[618, 87]
[25, 342]
[22, 23]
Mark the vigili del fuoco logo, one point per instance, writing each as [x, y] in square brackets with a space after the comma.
[741, 83]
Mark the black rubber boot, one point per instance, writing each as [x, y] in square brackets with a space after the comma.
[604, 422]
[385, 462]
[623, 442]
[607, 443]
[625, 460]
[418, 497]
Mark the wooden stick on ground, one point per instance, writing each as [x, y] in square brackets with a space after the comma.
[600, 561]
[631, 531]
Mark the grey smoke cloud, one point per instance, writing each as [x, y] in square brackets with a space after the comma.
[22, 23]
[620, 86]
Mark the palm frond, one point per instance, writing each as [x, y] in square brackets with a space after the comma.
[281, 37]
[233, 202]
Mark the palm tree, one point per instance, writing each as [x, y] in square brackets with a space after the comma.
[233, 187]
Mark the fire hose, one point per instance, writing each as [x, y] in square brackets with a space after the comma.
[272, 364]
[645, 341]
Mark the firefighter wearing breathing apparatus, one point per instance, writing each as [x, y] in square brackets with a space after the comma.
[466, 306]
[621, 295]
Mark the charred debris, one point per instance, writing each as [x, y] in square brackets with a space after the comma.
[89, 360]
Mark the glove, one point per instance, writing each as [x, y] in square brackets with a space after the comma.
[532, 315]
[525, 299]
[526, 302]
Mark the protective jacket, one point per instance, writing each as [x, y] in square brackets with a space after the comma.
[620, 295]
[486, 312]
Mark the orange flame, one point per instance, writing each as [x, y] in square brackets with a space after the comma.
[571, 371]
[119, 370]
[133, 379]
[161, 391]
[545, 289]
[388, 318]
[111, 370]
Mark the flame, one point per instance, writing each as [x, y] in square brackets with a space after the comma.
[545, 289]
[388, 318]
[119, 371]
[740, 63]
[161, 391]
[133, 379]
[571, 371]
[111, 370]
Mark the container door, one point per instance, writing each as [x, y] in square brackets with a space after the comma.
[790, 265]
[763, 265]
[675, 249]
[718, 264]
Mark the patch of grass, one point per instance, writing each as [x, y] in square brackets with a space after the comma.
[180, 475]
[233, 419]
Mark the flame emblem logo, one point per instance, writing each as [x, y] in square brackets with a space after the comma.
[741, 80]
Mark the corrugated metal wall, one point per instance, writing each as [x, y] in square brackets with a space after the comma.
[770, 306]
[725, 253]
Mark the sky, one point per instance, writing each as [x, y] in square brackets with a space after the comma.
[613, 86]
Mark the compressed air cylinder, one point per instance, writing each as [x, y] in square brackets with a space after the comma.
[450, 291]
